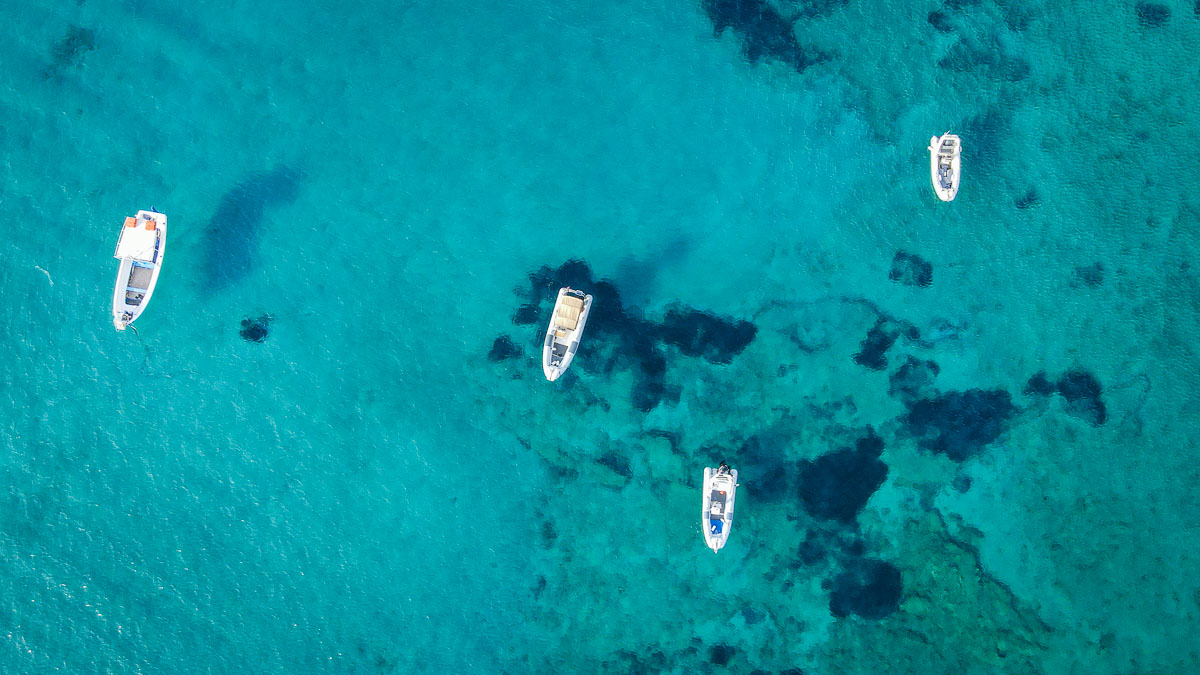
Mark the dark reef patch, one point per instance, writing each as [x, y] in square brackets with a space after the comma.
[1091, 276]
[867, 588]
[68, 52]
[1028, 200]
[751, 616]
[762, 32]
[760, 463]
[880, 338]
[838, 485]
[911, 270]
[503, 348]
[256, 329]
[940, 21]
[701, 334]
[549, 534]
[232, 234]
[617, 463]
[1079, 388]
[987, 132]
[526, 314]
[959, 423]
[875, 345]
[814, 549]
[617, 335]
[986, 55]
[651, 388]
[719, 655]
[1039, 384]
[1152, 14]
[961, 483]
[830, 541]
[913, 380]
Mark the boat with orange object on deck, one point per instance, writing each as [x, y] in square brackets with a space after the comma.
[140, 248]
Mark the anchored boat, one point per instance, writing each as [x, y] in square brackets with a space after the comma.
[716, 509]
[944, 165]
[566, 328]
[140, 249]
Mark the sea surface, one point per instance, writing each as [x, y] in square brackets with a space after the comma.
[966, 432]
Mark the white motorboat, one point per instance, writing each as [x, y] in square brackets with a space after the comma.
[140, 249]
[944, 165]
[716, 507]
[566, 328]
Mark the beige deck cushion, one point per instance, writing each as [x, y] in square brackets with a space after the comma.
[567, 316]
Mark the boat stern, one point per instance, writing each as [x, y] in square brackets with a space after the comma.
[715, 543]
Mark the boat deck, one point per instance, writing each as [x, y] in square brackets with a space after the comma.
[139, 277]
[139, 240]
[716, 503]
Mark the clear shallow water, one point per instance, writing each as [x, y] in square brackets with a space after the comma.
[365, 491]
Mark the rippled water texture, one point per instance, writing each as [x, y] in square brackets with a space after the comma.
[965, 432]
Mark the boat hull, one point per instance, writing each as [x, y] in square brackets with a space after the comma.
[137, 274]
[560, 344]
[945, 184]
[716, 506]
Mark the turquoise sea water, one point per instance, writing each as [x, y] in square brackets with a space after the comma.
[966, 432]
